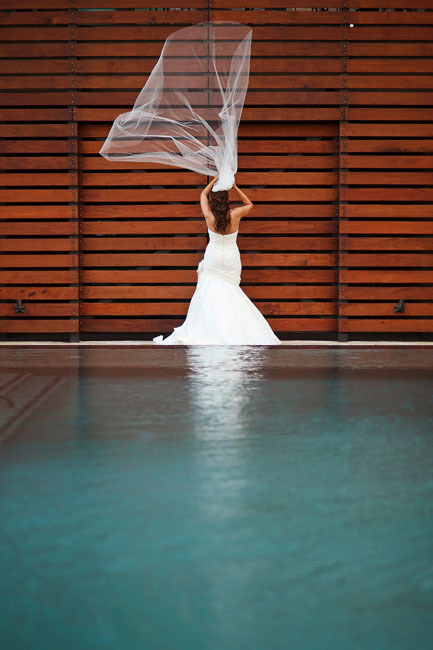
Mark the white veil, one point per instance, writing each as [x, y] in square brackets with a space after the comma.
[187, 114]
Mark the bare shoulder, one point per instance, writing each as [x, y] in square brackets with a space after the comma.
[241, 211]
[210, 222]
[205, 207]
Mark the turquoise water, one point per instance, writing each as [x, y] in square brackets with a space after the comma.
[216, 498]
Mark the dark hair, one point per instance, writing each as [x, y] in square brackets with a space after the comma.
[219, 204]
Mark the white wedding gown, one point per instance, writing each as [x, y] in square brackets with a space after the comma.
[220, 313]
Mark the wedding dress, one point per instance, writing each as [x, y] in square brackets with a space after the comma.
[220, 313]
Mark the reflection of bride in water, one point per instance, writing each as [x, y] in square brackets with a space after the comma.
[222, 382]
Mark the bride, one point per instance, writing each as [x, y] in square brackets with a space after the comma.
[220, 313]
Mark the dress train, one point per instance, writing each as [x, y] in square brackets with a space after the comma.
[220, 313]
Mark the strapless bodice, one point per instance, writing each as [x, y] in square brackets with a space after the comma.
[219, 238]
[222, 257]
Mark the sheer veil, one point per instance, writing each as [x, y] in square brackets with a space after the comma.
[187, 114]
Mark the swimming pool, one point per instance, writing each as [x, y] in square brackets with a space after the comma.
[216, 498]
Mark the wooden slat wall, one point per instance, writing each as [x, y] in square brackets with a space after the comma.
[386, 166]
[335, 145]
[38, 195]
[288, 248]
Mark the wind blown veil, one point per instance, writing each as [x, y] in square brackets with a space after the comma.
[187, 114]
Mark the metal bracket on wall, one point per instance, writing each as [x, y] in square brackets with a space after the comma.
[19, 308]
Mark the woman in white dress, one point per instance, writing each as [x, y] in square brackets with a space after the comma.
[220, 313]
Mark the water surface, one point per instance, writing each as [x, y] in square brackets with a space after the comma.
[216, 498]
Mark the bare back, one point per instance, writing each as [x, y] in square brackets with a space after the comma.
[235, 218]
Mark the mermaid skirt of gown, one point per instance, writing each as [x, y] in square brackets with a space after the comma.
[219, 312]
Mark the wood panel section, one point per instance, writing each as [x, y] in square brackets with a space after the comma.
[140, 254]
[39, 272]
[288, 248]
[386, 179]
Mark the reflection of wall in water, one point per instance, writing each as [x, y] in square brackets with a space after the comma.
[128, 393]
[38, 394]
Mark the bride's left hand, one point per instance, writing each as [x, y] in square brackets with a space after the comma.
[208, 187]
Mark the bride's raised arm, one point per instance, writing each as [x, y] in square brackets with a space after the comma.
[204, 201]
[247, 204]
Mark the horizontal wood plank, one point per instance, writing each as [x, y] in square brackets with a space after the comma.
[386, 276]
[184, 243]
[185, 292]
[386, 309]
[36, 326]
[176, 259]
[181, 308]
[182, 276]
[386, 325]
[166, 325]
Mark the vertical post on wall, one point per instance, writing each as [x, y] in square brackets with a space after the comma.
[73, 169]
[342, 168]
[209, 16]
